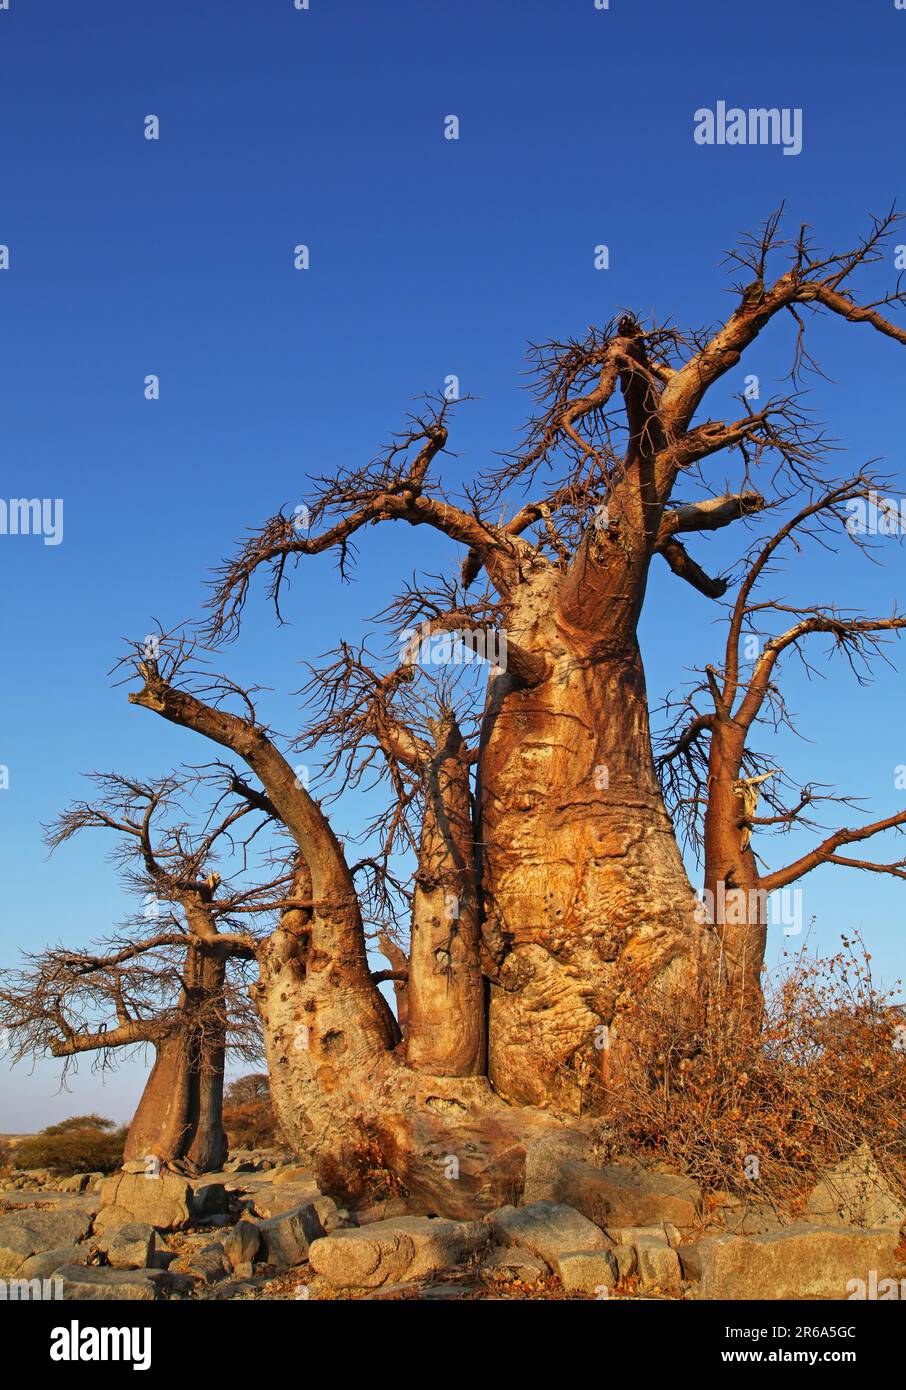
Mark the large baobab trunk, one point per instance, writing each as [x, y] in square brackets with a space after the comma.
[179, 1119]
[207, 1150]
[372, 1126]
[586, 898]
[161, 1122]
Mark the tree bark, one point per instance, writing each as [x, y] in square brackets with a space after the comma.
[445, 1033]
[179, 1119]
[586, 900]
[732, 882]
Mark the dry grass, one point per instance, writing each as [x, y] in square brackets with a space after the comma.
[827, 1075]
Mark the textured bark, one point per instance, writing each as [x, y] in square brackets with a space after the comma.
[732, 882]
[179, 1119]
[370, 1125]
[445, 1034]
[161, 1122]
[586, 899]
[207, 1150]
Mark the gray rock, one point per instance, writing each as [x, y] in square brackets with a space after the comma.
[130, 1247]
[385, 1251]
[631, 1235]
[285, 1239]
[45, 1264]
[274, 1201]
[210, 1264]
[164, 1202]
[25, 1233]
[674, 1237]
[855, 1193]
[658, 1265]
[548, 1229]
[241, 1245]
[208, 1198]
[77, 1183]
[503, 1266]
[621, 1196]
[135, 1285]
[587, 1270]
[803, 1261]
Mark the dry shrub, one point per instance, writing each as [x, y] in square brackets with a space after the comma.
[82, 1144]
[827, 1074]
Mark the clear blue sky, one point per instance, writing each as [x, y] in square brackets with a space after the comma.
[428, 257]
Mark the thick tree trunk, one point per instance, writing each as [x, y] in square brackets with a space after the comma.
[161, 1122]
[207, 1150]
[371, 1126]
[445, 1034]
[179, 1119]
[586, 900]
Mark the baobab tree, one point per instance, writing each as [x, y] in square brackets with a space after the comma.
[170, 978]
[583, 900]
[715, 778]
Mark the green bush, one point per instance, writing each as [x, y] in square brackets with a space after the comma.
[81, 1144]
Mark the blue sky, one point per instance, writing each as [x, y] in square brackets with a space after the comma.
[428, 257]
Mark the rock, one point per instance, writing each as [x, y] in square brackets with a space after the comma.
[855, 1193]
[43, 1265]
[285, 1239]
[274, 1201]
[208, 1198]
[547, 1229]
[130, 1247]
[381, 1211]
[503, 1266]
[659, 1267]
[673, 1235]
[241, 1245]
[803, 1261]
[135, 1285]
[631, 1235]
[587, 1269]
[77, 1183]
[546, 1156]
[164, 1202]
[209, 1264]
[294, 1173]
[25, 1233]
[623, 1196]
[382, 1253]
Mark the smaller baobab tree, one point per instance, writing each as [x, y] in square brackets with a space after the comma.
[408, 726]
[170, 978]
[716, 780]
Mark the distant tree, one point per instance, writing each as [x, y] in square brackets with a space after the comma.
[248, 1113]
[172, 978]
[248, 1090]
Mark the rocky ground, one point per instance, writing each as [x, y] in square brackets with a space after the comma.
[262, 1229]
